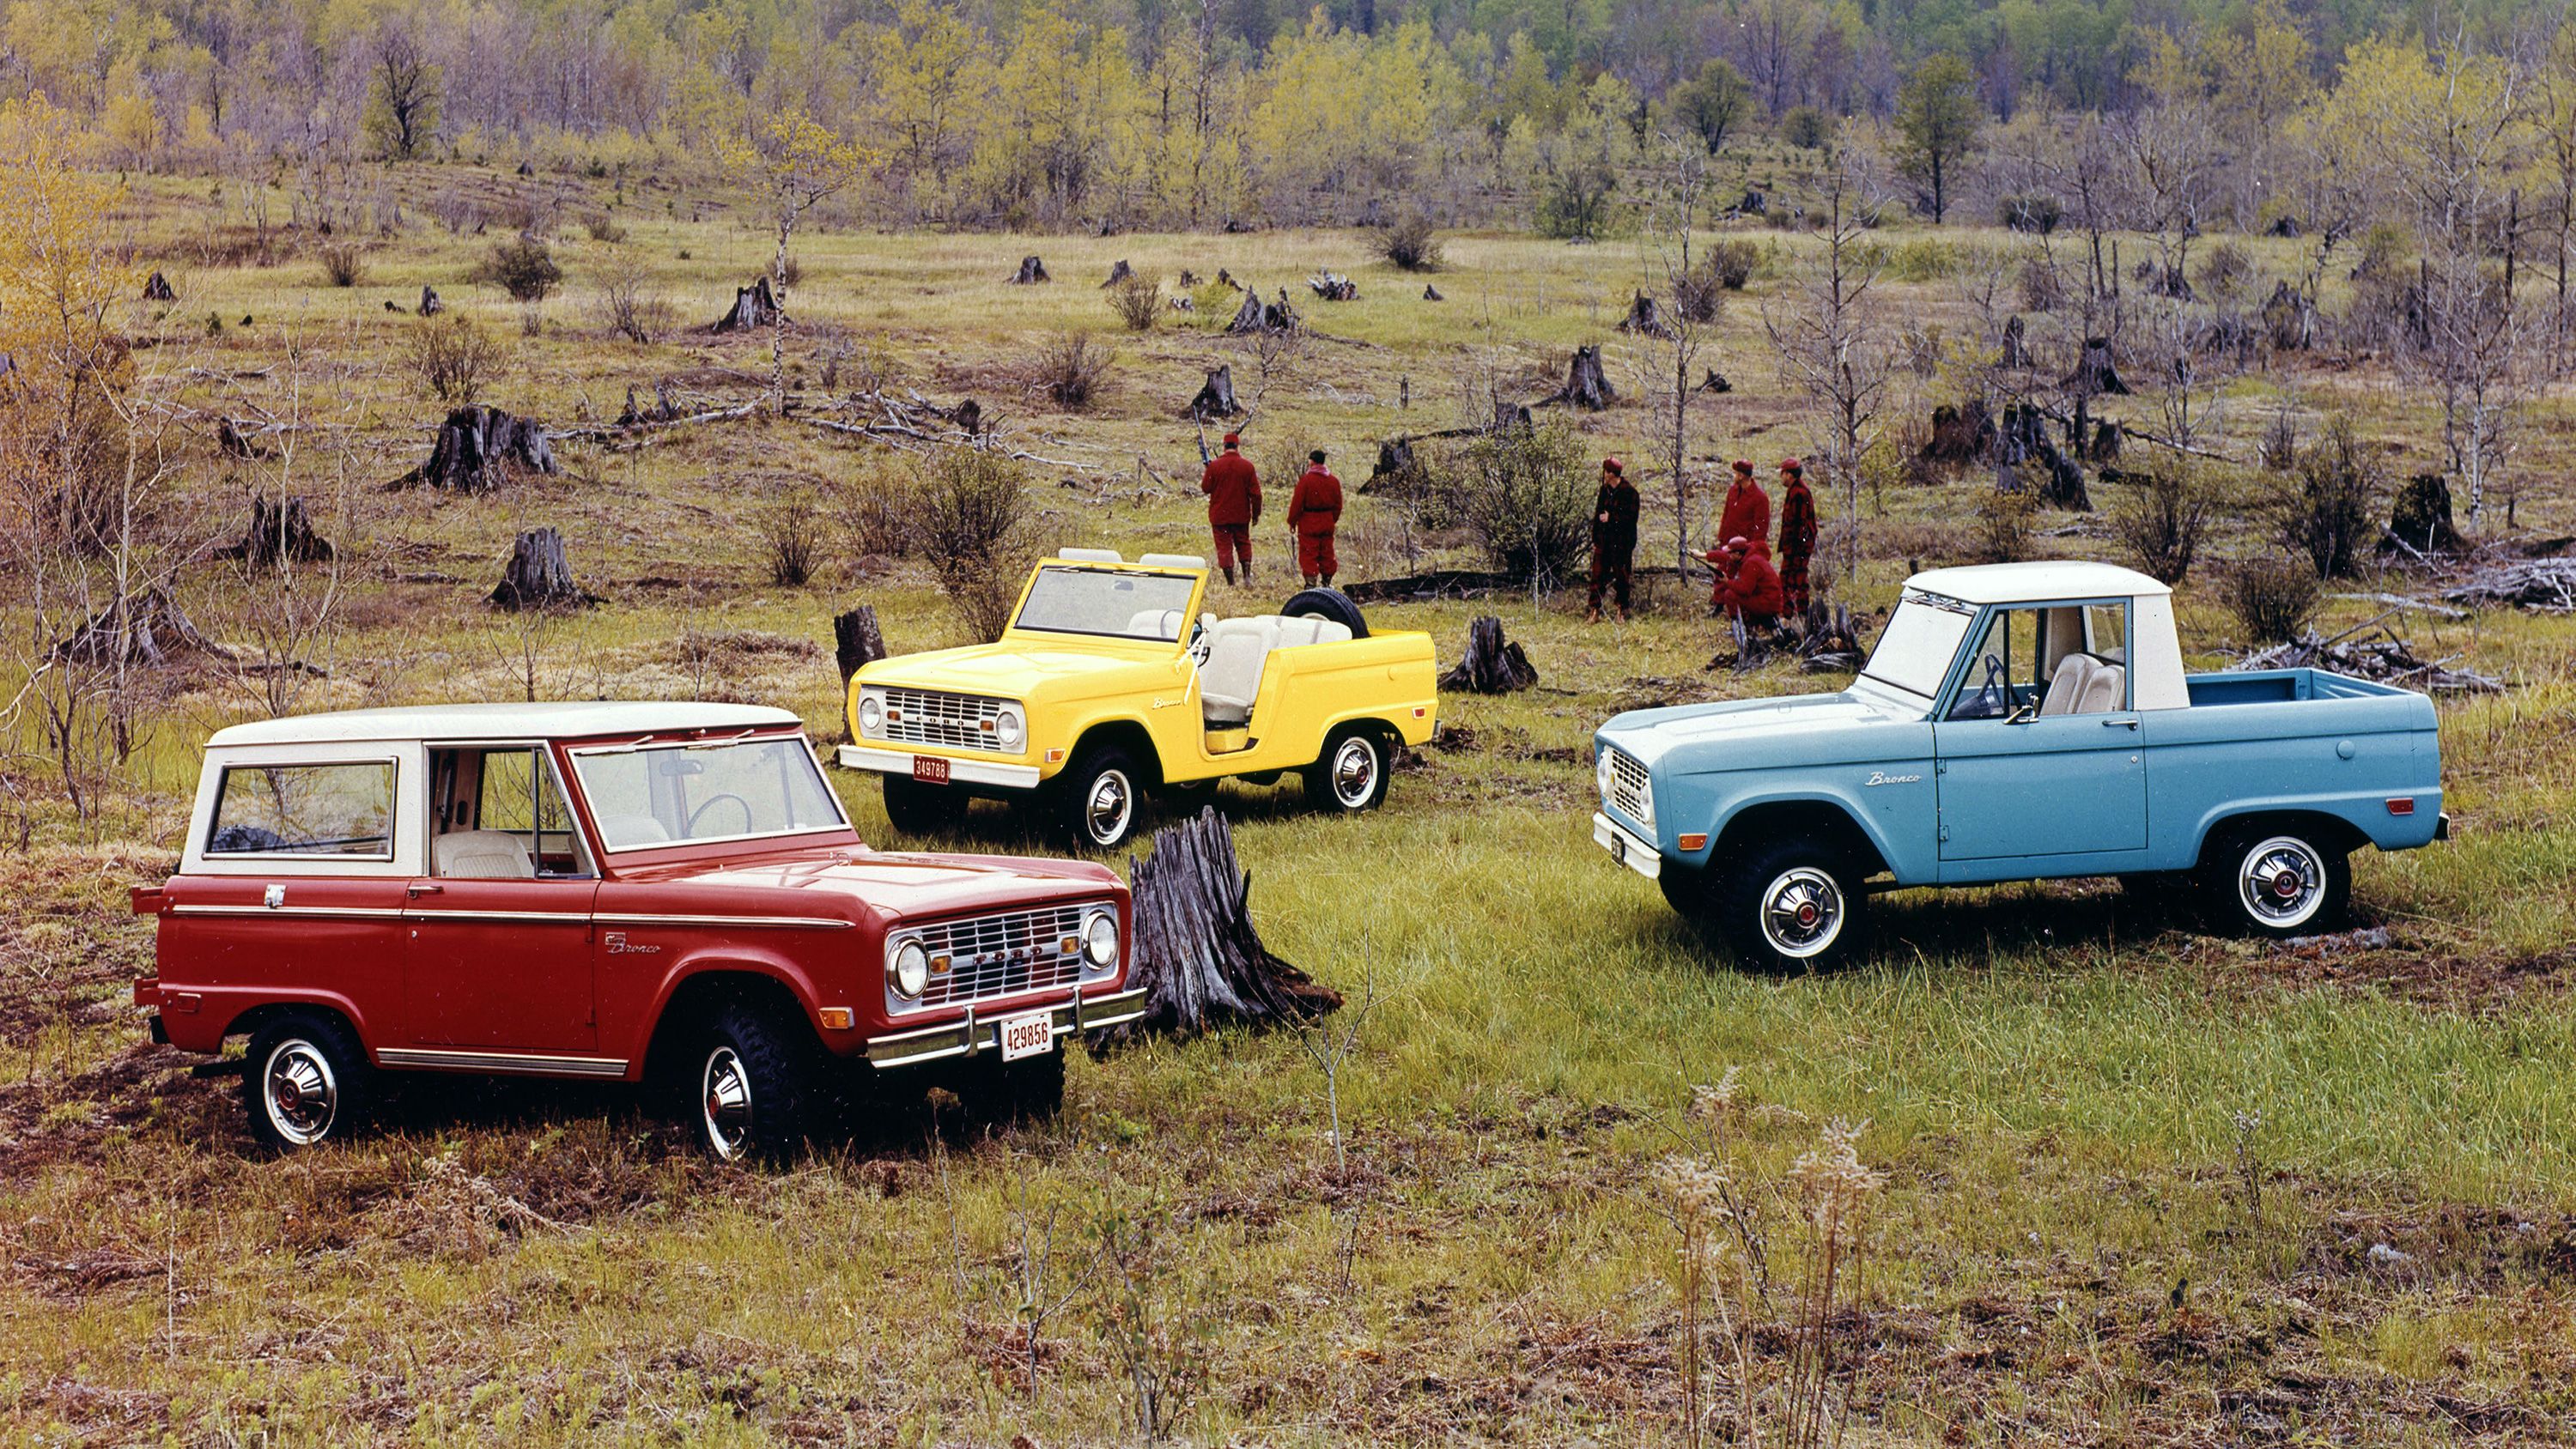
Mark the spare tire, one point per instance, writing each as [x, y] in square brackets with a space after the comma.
[1330, 604]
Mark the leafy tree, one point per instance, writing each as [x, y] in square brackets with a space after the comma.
[1713, 104]
[794, 162]
[930, 77]
[1937, 119]
[404, 91]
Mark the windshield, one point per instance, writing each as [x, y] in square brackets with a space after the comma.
[1071, 600]
[1921, 638]
[731, 790]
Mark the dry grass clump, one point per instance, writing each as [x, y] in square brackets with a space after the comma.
[791, 537]
[344, 264]
[1072, 370]
[1410, 244]
[2271, 597]
[2160, 523]
[1137, 301]
[453, 357]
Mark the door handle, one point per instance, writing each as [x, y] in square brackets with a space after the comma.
[424, 888]
[2119, 724]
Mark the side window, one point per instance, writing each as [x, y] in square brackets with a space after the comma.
[319, 809]
[502, 814]
[2003, 673]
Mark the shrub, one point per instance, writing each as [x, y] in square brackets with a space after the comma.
[2325, 513]
[2272, 597]
[604, 228]
[2042, 289]
[1578, 203]
[1528, 500]
[2006, 524]
[2278, 448]
[629, 308]
[344, 264]
[1923, 259]
[874, 513]
[792, 272]
[1807, 128]
[1138, 300]
[2161, 521]
[971, 522]
[523, 266]
[1072, 369]
[2225, 271]
[454, 357]
[791, 534]
[1410, 244]
[2035, 212]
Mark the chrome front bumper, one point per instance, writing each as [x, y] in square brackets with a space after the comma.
[961, 771]
[1626, 846]
[976, 1032]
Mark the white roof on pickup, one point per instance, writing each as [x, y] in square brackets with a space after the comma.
[2032, 583]
[501, 722]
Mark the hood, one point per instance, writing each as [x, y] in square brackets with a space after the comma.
[897, 886]
[1819, 729]
[1019, 670]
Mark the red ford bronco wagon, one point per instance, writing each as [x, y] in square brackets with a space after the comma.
[623, 891]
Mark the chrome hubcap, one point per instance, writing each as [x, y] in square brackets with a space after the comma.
[1802, 912]
[1105, 811]
[727, 1103]
[1354, 772]
[2282, 882]
[303, 1096]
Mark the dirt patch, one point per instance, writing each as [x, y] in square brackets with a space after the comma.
[2392, 964]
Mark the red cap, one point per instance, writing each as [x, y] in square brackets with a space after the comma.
[1744, 466]
[1234, 440]
[1737, 542]
[1791, 465]
[1611, 465]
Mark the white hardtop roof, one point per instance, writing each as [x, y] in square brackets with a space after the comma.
[2036, 583]
[502, 722]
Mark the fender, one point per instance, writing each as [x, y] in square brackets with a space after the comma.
[1866, 818]
[737, 958]
[197, 1030]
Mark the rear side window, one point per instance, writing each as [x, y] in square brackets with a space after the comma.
[318, 809]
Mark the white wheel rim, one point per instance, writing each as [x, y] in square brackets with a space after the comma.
[724, 1103]
[1802, 912]
[2281, 882]
[301, 1093]
[1106, 807]
[1355, 772]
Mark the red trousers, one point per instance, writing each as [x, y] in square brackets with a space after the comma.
[1315, 554]
[1232, 539]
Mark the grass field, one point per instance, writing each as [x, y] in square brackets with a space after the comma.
[2141, 1186]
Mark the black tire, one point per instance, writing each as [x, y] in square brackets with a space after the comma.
[1330, 604]
[307, 1081]
[914, 808]
[1793, 904]
[1098, 798]
[756, 1085]
[2275, 881]
[1351, 775]
[995, 1093]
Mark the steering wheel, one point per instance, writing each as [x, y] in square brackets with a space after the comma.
[1200, 645]
[714, 800]
[1990, 697]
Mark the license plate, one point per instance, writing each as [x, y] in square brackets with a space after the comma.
[1028, 1036]
[930, 769]
[1619, 849]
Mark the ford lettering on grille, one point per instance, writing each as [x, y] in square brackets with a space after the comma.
[951, 721]
[1003, 955]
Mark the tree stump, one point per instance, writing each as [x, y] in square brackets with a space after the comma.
[2422, 517]
[1431, 293]
[1959, 435]
[1226, 280]
[1215, 397]
[2094, 375]
[1195, 950]
[157, 289]
[856, 643]
[479, 448]
[232, 442]
[2105, 447]
[1032, 271]
[1188, 278]
[1396, 466]
[968, 415]
[539, 575]
[1511, 418]
[278, 533]
[430, 306]
[753, 307]
[2016, 353]
[1256, 316]
[146, 628]
[1646, 318]
[1715, 382]
[1119, 273]
[1585, 385]
[660, 410]
[1333, 288]
[2289, 319]
[1492, 664]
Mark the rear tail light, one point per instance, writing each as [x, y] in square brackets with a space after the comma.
[2401, 806]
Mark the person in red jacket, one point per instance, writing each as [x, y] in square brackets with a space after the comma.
[1797, 535]
[1748, 588]
[1233, 489]
[1314, 511]
[1748, 509]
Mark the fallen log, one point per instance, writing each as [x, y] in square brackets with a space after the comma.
[2383, 657]
[2547, 585]
[1333, 288]
[1435, 584]
[1492, 664]
[1195, 950]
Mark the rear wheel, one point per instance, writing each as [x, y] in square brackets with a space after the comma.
[1097, 798]
[2277, 882]
[755, 1085]
[1793, 905]
[1330, 604]
[306, 1081]
[914, 808]
[1351, 775]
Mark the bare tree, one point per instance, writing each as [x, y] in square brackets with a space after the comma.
[285, 608]
[1826, 328]
[1668, 356]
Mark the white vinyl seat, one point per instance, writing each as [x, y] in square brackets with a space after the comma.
[626, 831]
[1238, 649]
[2106, 691]
[1155, 624]
[482, 855]
[2066, 687]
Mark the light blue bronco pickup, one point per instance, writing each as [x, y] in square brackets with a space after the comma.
[2018, 722]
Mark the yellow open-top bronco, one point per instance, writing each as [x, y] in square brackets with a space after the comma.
[1111, 681]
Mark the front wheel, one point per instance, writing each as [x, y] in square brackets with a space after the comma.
[1097, 799]
[755, 1086]
[1351, 775]
[2277, 883]
[306, 1081]
[1793, 905]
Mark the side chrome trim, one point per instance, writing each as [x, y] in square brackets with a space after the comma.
[354, 913]
[961, 770]
[783, 923]
[972, 1034]
[561, 918]
[517, 1063]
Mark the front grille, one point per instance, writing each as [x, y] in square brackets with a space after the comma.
[935, 717]
[1002, 955]
[1631, 793]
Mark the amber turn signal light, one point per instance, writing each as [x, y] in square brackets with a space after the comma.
[836, 1018]
[1692, 841]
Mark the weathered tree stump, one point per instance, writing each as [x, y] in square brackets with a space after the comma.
[145, 628]
[2289, 319]
[1215, 397]
[1431, 293]
[2105, 447]
[1226, 280]
[1715, 382]
[278, 533]
[1511, 418]
[1959, 435]
[968, 415]
[1256, 315]
[2016, 351]
[430, 306]
[539, 575]
[2422, 518]
[232, 442]
[753, 307]
[1031, 272]
[1585, 385]
[1646, 318]
[856, 643]
[1119, 273]
[156, 288]
[1333, 288]
[2094, 374]
[1195, 950]
[1187, 278]
[479, 447]
[1492, 664]
[1180, 304]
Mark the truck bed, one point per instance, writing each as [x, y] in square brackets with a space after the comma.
[2281, 686]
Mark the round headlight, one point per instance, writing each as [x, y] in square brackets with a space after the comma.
[1100, 940]
[911, 969]
[871, 714]
[1009, 728]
